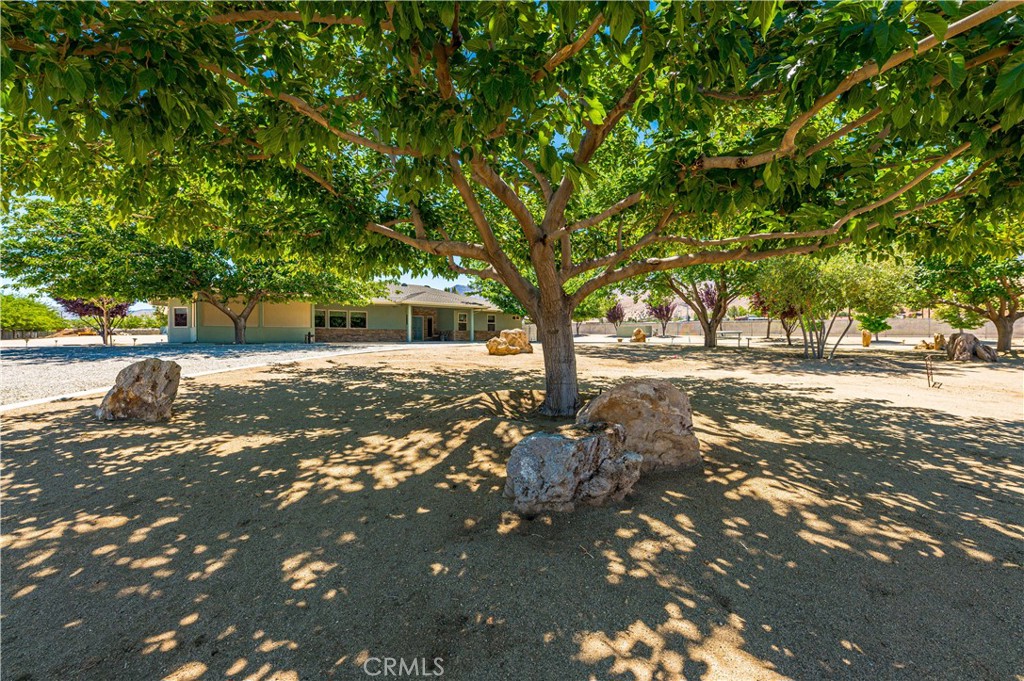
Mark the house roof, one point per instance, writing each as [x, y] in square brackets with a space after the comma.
[414, 294]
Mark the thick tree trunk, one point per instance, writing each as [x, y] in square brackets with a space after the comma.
[562, 394]
[239, 323]
[1004, 333]
[710, 334]
[768, 333]
[710, 325]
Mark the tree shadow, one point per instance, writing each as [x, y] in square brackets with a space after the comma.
[784, 359]
[298, 521]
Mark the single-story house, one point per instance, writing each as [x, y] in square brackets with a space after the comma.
[406, 313]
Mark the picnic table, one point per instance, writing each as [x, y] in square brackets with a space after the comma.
[731, 334]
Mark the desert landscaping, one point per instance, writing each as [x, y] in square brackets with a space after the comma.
[552, 341]
[848, 522]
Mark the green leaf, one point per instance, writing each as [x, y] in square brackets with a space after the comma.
[936, 24]
[772, 178]
[761, 13]
[75, 83]
[596, 110]
[147, 79]
[1011, 78]
[956, 69]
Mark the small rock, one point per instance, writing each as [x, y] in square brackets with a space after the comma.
[657, 418]
[143, 390]
[582, 465]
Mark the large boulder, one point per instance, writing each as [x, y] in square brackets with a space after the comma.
[657, 418]
[143, 390]
[497, 346]
[509, 342]
[638, 336]
[962, 347]
[517, 338]
[579, 466]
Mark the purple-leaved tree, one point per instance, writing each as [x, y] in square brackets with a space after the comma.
[102, 315]
[616, 314]
[663, 312]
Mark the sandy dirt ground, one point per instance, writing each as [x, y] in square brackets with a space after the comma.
[298, 521]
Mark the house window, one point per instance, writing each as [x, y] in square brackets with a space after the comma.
[180, 317]
[337, 319]
[357, 320]
[463, 321]
[319, 319]
[492, 322]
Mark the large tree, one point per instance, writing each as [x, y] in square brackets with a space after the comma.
[95, 268]
[984, 286]
[236, 283]
[19, 313]
[540, 143]
[708, 290]
[73, 253]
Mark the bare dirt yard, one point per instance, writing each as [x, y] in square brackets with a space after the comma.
[298, 521]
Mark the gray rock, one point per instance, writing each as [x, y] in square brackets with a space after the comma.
[143, 390]
[657, 418]
[558, 471]
[963, 347]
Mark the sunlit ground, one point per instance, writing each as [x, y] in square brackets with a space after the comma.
[295, 522]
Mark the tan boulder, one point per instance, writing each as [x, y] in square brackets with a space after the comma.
[657, 418]
[517, 338]
[497, 346]
[580, 465]
[638, 336]
[143, 390]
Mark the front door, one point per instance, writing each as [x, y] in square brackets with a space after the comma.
[430, 327]
[417, 328]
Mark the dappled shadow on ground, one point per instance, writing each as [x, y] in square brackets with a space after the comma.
[782, 358]
[72, 354]
[295, 522]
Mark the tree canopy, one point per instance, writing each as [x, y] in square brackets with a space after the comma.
[981, 287]
[541, 144]
[23, 313]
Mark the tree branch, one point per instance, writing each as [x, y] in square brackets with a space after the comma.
[446, 248]
[612, 211]
[497, 185]
[590, 143]
[788, 144]
[542, 180]
[302, 107]
[274, 16]
[569, 50]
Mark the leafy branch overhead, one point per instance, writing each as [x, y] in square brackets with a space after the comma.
[557, 148]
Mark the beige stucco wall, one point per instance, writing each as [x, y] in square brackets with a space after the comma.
[211, 316]
[286, 314]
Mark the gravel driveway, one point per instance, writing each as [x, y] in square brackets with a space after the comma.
[39, 372]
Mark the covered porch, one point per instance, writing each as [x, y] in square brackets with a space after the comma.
[436, 323]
